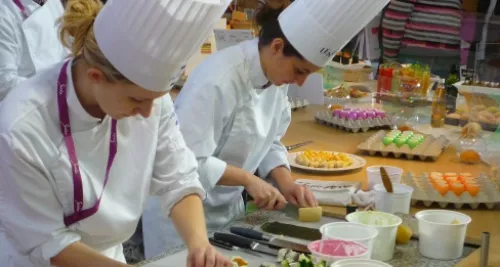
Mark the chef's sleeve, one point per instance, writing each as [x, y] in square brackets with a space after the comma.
[30, 213]
[277, 154]
[204, 110]
[175, 173]
[10, 46]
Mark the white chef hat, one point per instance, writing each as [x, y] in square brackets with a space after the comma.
[150, 41]
[319, 28]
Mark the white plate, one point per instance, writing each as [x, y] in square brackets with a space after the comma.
[357, 162]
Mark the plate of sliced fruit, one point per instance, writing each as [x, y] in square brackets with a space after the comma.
[325, 161]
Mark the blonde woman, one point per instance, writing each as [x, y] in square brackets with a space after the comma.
[86, 141]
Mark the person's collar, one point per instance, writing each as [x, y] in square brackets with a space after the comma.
[74, 104]
[256, 73]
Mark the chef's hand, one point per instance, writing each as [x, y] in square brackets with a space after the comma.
[205, 255]
[298, 195]
[265, 195]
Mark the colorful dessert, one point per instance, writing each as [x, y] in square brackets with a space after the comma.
[403, 138]
[358, 114]
[323, 159]
[457, 183]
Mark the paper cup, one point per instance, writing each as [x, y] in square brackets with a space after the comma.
[387, 227]
[439, 238]
[373, 175]
[397, 201]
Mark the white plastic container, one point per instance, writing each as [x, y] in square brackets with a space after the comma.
[439, 238]
[387, 227]
[359, 263]
[397, 201]
[374, 177]
[348, 231]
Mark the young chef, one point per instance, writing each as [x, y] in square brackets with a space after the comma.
[234, 110]
[28, 39]
[84, 142]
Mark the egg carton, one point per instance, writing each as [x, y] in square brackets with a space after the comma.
[430, 149]
[325, 117]
[297, 103]
[424, 192]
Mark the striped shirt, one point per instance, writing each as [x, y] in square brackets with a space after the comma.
[421, 23]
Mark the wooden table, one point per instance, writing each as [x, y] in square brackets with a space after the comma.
[304, 128]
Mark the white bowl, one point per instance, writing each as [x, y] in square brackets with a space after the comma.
[439, 239]
[387, 227]
[373, 175]
[359, 263]
[397, 201]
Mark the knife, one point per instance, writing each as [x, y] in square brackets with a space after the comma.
[229, 246]
[269, 239]
[291, 147]
[245, 243]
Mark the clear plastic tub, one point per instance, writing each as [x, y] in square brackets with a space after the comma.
[397, 201]
[374, 177]
[347, 231]
[387, 227]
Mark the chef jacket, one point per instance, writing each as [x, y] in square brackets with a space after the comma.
[36, 189]
[230, 115]
[28, 44]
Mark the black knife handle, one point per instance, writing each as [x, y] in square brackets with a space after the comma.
[220, 244]
[234, 240]
[248, 233]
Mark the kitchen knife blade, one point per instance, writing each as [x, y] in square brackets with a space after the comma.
[291, 147]
[245, 243]
[230, 247]
[272, 240]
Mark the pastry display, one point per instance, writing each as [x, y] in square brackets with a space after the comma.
[403, 138]
[471, 130]
[358, 114]
[354, 120]
[453, 188]
[343, 92]
[409, 144]
[453, 182]
[323, 159]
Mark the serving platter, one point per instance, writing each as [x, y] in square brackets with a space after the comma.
[357, 162]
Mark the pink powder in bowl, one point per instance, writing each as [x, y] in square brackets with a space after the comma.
[338, 248]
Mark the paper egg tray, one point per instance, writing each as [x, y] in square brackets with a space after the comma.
[354, 126]
[430, 149]
[489, 194]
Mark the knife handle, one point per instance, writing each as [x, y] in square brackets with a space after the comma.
[220, 244]
[234, 240]
[248, 233]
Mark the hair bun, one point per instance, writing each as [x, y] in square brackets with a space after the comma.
[77, 21]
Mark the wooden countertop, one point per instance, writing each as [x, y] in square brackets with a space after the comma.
[304, 128]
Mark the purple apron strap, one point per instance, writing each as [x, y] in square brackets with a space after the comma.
[21, 8]
[79, 213]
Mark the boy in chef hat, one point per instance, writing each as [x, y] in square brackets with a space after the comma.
[233, 115]
[84, 143]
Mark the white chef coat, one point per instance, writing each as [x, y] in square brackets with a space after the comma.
[36, 189]
[30, 44]
[227, 118]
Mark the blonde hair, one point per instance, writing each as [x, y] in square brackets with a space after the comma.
[77, 34]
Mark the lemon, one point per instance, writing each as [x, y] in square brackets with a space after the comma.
[404, 234]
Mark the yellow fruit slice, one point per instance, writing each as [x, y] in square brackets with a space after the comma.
[404, 234]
